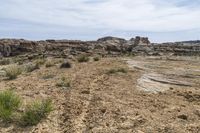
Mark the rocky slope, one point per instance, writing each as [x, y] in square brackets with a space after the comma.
[103, 46]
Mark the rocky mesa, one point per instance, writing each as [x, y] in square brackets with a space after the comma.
[105, 45]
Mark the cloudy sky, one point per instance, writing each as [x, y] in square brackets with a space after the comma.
[160, 20]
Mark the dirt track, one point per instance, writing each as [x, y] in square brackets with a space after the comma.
[102, 103]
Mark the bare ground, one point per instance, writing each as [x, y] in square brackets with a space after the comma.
[155, 95]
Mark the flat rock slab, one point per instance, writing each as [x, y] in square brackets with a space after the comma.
[160, 74]
[158, 83]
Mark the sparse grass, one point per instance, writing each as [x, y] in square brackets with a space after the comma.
[9, 103]
[63, 82]
[47, 76]
[31, 67]
[83, 58]
[50, 63]
[5, 61]
[117, 70]
[13, 71]
[65, 64]
[35, 112]
[96, 58]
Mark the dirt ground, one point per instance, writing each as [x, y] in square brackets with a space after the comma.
[156, 95]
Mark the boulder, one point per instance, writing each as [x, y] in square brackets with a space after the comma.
[140, 41]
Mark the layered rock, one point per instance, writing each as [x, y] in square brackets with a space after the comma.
[112, 44]
[106, 45]
[11, 47]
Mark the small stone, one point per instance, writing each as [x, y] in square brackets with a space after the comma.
[184, 117]
[103, 111]
[65, 65]
[85, 92]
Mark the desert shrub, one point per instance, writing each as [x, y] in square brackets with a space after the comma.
[63, 83]
[50, 63]
[122, 70]
[19, 60]
[9, 103]
[83, 58]
[5, 61]
[65, 64]
[40, 62]
[31, 67]
[13, 71]
[112, 71]
[96, 58]
[35, 112]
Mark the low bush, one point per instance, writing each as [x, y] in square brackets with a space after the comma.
[9, 103]
[50, 63]
[5, 61]
[19, 60]
[40, 62]
[83, 58]
[31, 67]
[35, 112]
[96, 58]
[112, 71]
[63, 83]
[13, 71]
[32, 115]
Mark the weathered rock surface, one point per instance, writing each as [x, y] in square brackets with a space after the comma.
[140, 41]
[106, 45]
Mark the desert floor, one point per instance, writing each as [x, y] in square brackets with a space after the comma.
[153, 95]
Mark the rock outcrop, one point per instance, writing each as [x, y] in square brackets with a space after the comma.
[106, 45]
[140, 41]
[11, 47]
[112, 44]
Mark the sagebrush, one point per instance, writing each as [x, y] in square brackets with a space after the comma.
[9, 103]
[13, 71]
[35, 112]
[117, 70]
[83, 58]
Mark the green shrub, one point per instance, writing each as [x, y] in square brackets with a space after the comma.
[63, 83]
[96, 58]
[111, 71]
[83, 58]
[117, 70]
[40, 62]
[35, 112]
[13, 71]
[5, 61]
[50, 63]
[31, 67]
[9, 103]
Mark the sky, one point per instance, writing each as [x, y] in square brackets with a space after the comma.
[160, 20]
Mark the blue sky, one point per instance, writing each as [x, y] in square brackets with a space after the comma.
[160, 20]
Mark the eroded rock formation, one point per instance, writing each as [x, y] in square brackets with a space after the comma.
[106, 45]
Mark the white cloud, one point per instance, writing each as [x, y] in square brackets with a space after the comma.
[116, 15]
